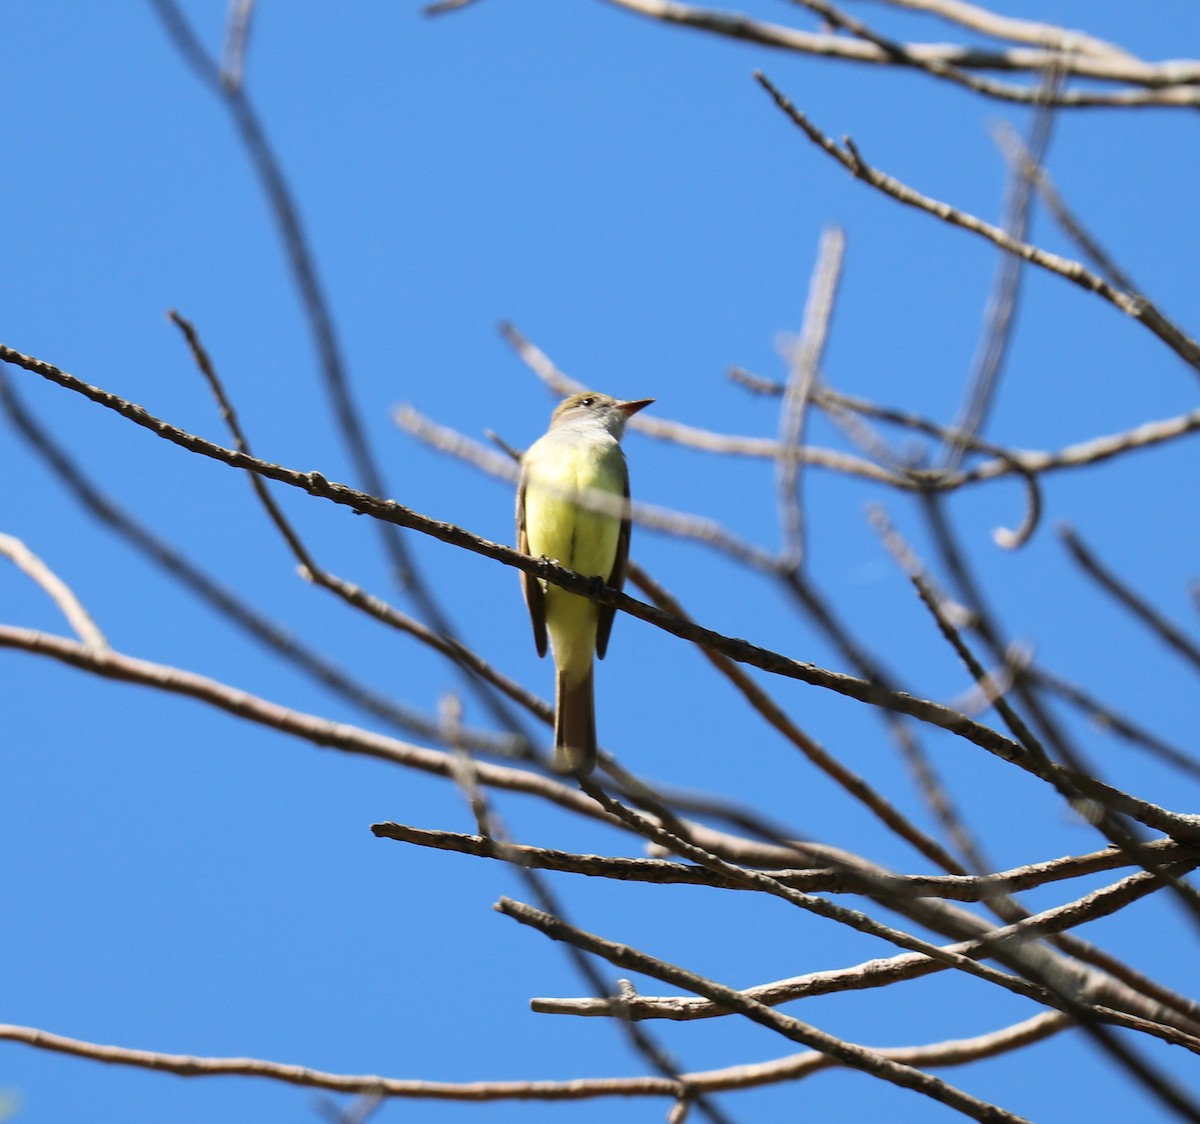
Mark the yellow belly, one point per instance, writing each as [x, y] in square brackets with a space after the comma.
[582, 540]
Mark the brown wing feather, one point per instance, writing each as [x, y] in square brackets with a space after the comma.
[535, 595]
[616, 580]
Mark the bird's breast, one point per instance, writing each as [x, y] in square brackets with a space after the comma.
[557, 525]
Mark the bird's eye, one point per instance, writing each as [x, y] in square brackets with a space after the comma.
[588, 401]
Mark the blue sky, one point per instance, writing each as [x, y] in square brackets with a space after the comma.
[627, 195]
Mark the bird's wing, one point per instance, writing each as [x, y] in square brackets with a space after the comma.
[535, 594]
[616, 580]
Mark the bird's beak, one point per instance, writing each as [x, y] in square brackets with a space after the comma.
[631, 408]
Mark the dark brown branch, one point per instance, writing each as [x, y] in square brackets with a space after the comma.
[1108, 821]
[1052, 981]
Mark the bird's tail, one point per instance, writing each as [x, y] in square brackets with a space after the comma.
[574, 725]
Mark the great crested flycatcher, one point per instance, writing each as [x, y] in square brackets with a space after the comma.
[579, 456]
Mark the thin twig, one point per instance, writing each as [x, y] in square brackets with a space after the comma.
[224, 601]
[1108, 820]
[975, 18]
[1014, 150]
[319, 315]
[1108, 719]
[1053, 981]
[1004, 298]
[900, 54]
[237, 38]
[876, 973]
[623, 956]
[804, 361]
[461, 656]
[1167, 631]
[692, 437]
[58, 591]
[1131, 304]
[1006, 462]
[341, 736]
[762, 702]
[492, 829]
[1166, 84]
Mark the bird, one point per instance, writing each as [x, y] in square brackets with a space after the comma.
[579, 455]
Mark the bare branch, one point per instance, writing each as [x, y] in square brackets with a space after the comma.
[842, 879]
[1006, 462]
[1027, 462]
[793, 1067]
[1168, 632]
[804, 361]
[319, 731]
[286, 213]
[693, 438]
[322, 326]
[762, 702]
[1009, 940]
[59, 592]
[491, 828]
[222, 599]
[186, 1065]
[1093, 451]
[1166, 84]
[1131, 304]
[1018, 156]
[975, 18]
[1108, 719]
[476, 669]
[1001, 311]
[237, 38]
[623, 956]
[900, 54]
